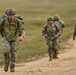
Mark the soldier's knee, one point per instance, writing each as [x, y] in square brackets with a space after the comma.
[56, 50]
[6, 47]
[15, 46]
[13, 56]
[6, 55]
[50, 50]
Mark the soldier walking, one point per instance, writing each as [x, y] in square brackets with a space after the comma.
[12, 31]
[51, 32]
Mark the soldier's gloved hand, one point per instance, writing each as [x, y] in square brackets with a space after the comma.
[45, 35]
[21, 38]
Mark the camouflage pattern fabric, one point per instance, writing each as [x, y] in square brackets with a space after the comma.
[60, 24]
[10, 49]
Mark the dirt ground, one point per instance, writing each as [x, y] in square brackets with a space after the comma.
[65, 65]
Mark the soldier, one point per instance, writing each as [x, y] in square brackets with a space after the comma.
[74, 33]
[12, 31]
[51, 32]
[60, 24]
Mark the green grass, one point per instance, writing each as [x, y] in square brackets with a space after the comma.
[35, 14]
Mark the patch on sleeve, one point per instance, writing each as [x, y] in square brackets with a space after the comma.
[43, 29]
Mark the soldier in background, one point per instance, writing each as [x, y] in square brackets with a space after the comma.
[59, 22]
[51, 32]
[61, 25]
[12, 31]
[74, 33]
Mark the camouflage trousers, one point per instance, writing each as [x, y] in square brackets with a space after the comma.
[52, 47]
[59, 41]
[9, 50]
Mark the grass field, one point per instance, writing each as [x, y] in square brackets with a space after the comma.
[35, 14]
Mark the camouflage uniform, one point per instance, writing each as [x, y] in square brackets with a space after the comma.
[10, 31]
[53, 32]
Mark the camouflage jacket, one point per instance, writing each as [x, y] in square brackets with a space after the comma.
[51, 31]
[11, 30]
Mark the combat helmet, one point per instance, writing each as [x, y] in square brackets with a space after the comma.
[50, 19]
[10, 11]
[56, 18]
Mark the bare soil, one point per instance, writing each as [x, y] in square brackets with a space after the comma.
[65, 65]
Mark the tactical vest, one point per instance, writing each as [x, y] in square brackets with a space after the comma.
[51, 31]
[11, 31]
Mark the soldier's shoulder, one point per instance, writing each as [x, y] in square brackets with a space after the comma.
[57, 22]
[56, 26]
[19, 17]
[3, 20]
[61, 22]
[16, 19]
[4, 16]
[45, 25]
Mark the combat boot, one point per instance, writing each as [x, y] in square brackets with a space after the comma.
[6, 67]
[55, 56]
[12, 68]
[51, 57]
